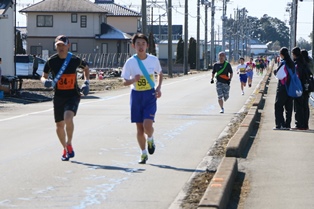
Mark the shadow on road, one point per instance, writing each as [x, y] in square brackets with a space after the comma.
[178, 169]
[108, 167]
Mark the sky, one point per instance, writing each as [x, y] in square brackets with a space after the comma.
[273, 8]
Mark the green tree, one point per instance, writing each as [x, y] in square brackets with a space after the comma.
[275, 46]
[303, 44]
[192, 53]
[180, 51]
[151, 45]
[268, 29]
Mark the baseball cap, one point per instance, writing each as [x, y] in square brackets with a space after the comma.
[62, 39]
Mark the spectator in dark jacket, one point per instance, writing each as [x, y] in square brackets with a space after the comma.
[301, 104]
[309, 60]
[283, 102]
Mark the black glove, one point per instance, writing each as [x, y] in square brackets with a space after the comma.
[48, 83]
[85, 88]
[212, 81]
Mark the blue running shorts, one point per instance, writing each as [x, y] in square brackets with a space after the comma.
[250, 74]
[243, 78]
[143, 105]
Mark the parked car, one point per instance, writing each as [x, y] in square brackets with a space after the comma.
[24, 65]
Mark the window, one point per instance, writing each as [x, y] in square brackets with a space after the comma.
[73, 18]
[83, 21]
[44, 21]
[74, 47]
[36, 49]
[104, 48]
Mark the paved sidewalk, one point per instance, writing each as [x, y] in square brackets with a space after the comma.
[280, 164]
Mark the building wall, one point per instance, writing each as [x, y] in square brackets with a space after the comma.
[43, 37]
[7, 43]
[125, 24]
[62, 25]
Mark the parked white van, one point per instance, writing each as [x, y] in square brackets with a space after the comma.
[24, 65]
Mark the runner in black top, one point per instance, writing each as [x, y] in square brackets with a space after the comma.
[67, 93]
[223, 79]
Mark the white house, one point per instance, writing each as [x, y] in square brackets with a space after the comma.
[7, 39]
[258, 48]
[91, 27]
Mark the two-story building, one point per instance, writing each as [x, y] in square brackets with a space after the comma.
[100, 27]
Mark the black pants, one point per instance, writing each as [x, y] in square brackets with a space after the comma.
[35, 72]
[302, 111]
[283, 104]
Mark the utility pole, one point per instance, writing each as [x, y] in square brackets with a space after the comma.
[294, 23]
[290, 10]
[186, 38]
[198, 37]
[144, 17]
[313, 32]
[152, 21]
[224, 17]
[212, 35]
[206, 32]
[169, 38]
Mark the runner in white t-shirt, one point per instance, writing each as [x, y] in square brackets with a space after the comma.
[241, 70]
[144, 94]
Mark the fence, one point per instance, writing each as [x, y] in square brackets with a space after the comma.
[101, 61]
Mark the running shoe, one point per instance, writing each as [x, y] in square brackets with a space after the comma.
[151, 146]
[65, 156]
[144, 158]
[222, 110]
[70, 151]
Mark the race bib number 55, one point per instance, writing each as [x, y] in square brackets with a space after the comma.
[142, 84]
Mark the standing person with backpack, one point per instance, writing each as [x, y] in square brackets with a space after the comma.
[224, 73]
[283, 102]
[67, 93]
[301, 104]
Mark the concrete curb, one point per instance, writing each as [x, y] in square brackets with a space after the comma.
[220, 184]
[239, 140]
[219, 190]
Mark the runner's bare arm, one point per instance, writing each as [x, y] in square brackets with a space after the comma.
[128, 82]
[86, 72]
[158, 89]
[44, 77]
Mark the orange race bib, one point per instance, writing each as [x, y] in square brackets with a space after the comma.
[67, 81]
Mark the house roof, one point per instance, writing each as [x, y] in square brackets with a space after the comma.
[258, 46]
[67, 6]
[118, 10]
[4, 5]
[112, 33]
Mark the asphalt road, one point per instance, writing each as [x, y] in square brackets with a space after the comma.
[105, 172]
